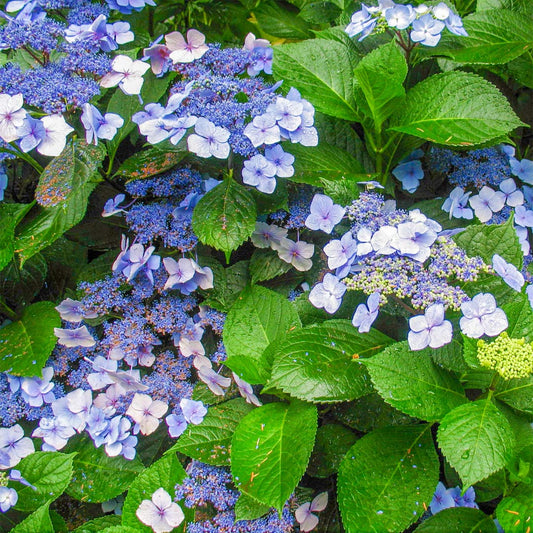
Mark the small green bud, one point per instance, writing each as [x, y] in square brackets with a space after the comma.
[511, 358]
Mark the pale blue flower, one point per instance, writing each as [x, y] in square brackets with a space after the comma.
[263, 130]
[429, 329]
[283, 161]
[513, 196]
[38, 391]
[8, 498]
[400, 17]
[209, 140]
[365, 315]
[362, 23]
[454, 24]
[442, 499]
[427, 30]
[481, 316]
[523, 169]
[383, 238]
[341, 252]
[176, 425]
[288, 113]
[54, 433]
[328, 294]
[457, 204]
[325, 215]
[193, 411]
[298, 254]
[414, 240]
[14, 446]
[487, 202]
[259, 172]
[111, 207]
[523, 217]
[508, 272]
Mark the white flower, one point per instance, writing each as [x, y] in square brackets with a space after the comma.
[56, 135]
[160, 513]
[11, 116]
[146, 412]
[127, 74]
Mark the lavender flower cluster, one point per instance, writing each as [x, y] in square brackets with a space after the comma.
[389, 252]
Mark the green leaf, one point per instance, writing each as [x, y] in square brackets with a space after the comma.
[10, 216]
[341, 134]
[25, 345]
[148, 163]
[50, 223]
[495, 36]
[270, 450]
[266, 264]
[380, 76]
[119, 529]
[165, 473]
[93, 470]
[386, 478]
[257, 318]
[229, 282]
[319, 363]
[451, 109]
[369, 413]
[275, 20]
[20, 285]
[48, 472]
[476, 439]
[320, 12]
[37, 522]
[322, 71]
[210, 441]
[225, 217]
[412, 383]
[99, 524]
[520, 317]
[518, 393]
[71, 170]
[485, 241]
[515, 510]
[331, 444]
[458, 520]
[324, 161]
[247, 508]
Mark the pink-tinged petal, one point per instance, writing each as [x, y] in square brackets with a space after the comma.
[320, 502]
[132, 85]
[175, 40]
[112, 79]
[122, 63]
[158, 408]
[303, 512]
[195, 38]
[161, 498]
[309, 523]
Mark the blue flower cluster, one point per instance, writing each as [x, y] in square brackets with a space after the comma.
[425, 24]
[230, 113]
[486, 187]
[210, 488]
